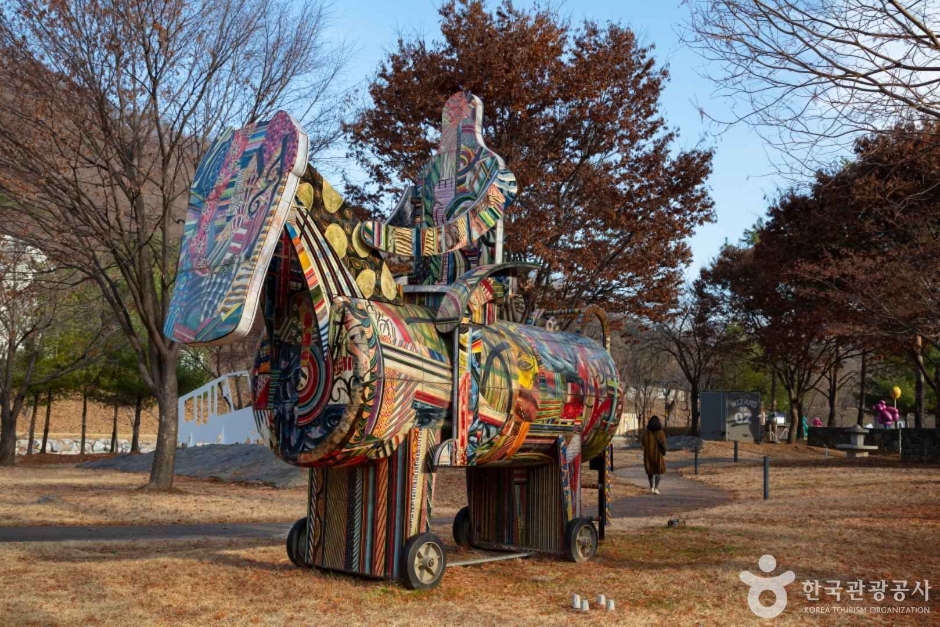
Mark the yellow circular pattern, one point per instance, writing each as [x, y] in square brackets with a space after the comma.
[361, 248]
[366, 282]
[305, 195]
[337, 239]
[331, 199]
[389, 288]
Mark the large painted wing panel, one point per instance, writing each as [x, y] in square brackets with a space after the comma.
[239, 201]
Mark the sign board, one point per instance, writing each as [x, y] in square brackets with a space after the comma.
[731, 416]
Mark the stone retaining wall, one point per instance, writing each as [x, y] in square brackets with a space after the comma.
[920, 445]
[67, 446]
[917, 445]
[884, 439]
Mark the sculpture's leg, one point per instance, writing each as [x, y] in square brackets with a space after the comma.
[604, 479]
[569, 459]
[580, 537]
[516, 508]
[604, 465]
[362, 517]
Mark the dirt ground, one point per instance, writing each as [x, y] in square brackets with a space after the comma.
[827, 519]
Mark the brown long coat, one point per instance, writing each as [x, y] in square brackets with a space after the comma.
[653, 459]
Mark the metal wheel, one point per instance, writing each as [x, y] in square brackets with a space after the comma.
[462, 527]
[581, 537]
[297, 544]
[424, 562]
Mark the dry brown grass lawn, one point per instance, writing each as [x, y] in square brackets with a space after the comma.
[826, 520]
[102, 497]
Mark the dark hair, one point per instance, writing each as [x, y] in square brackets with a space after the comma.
[654, 424]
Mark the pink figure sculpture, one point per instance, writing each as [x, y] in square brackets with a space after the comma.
[885, 414]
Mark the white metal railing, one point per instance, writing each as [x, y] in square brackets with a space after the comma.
[218, 413]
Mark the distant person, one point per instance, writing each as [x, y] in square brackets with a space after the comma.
[771, 427]
[654, 452]
[817, 422]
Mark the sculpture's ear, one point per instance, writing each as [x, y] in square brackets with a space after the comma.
[239, 201]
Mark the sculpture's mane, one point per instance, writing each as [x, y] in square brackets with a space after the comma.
[331, 231]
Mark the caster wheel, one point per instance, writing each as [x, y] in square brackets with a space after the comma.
[424, 562]
[462, 527]
[581, 540]
[297, 544]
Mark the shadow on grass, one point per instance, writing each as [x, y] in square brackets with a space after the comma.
[222, 553]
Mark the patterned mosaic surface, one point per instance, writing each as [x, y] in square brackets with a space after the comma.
[461, 195]
[368, 384]
[239, 200]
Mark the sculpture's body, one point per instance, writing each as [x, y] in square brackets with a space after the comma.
[374, 385]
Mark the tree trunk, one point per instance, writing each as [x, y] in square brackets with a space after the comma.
[918, 354]
[861, 392]
[45, 428]
[693, 404]
[164, 457]
[84, 419]
[135, 438]
[32, 424]
[773, 391]
[794, 418]
[10, 407]
[7, 436]
[833, 394]
[799, 409]
[936, 379]
[114, 430]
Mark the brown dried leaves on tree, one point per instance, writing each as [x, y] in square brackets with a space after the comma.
[851, 263]
[606, 200]
[869, 242]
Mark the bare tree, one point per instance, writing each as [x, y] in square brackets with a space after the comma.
[822, 71]
[35, 312]
[695, 336]
[104, 110]
[835, 379]
[644, 370]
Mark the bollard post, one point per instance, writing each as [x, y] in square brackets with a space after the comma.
[766, 477]
[696, 459]
[735, 451]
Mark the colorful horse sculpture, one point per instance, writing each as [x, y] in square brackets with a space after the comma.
[374, 383]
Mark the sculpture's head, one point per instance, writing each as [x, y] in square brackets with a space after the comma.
[265, 231]
[252, 189]
[239, 202]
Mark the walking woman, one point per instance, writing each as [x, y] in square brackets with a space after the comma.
[654, 452]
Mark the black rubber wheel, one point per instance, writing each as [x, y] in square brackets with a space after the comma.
[580, 540]
[462, 527]
[297, 544]
[423, 562]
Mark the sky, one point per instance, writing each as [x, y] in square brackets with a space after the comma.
[743, 176]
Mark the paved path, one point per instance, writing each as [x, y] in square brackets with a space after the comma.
[62, 533]
[677, 495]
